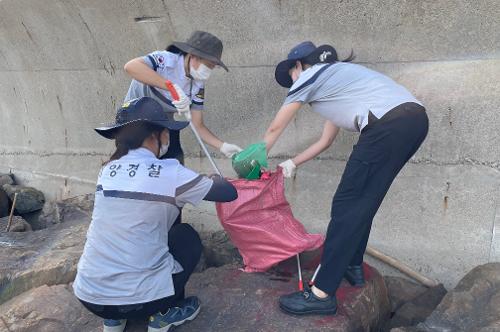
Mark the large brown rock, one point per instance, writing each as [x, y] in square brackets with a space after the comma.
[47, 309]
[474, 305]
[45, 257]
[231, 301]
[28, 199]
[237, 301]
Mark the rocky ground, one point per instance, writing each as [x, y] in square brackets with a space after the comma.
[37, 268]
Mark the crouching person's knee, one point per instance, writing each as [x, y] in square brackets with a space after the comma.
[189, 238]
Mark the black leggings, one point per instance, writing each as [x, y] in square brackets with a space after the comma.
[185, 245]
[383, 148]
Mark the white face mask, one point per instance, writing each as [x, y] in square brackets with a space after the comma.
[202, 73]
[163, 150]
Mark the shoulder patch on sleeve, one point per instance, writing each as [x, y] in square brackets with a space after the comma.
[201, 94]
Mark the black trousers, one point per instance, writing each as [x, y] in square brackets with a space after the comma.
[185, 245]
[383, 148]
[175, 152]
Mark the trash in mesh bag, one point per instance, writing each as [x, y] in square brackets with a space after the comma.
[261, 225]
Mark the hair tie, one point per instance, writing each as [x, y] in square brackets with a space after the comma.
[323, 56]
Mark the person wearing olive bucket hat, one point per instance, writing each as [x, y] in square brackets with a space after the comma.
[188, 65]
[392, 124]
[136, 260]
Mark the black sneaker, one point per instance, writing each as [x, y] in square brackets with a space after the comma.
[306, 303]
[355, 276]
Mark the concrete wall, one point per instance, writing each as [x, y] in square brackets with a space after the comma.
[61, 75]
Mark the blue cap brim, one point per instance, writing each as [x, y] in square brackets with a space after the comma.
[281, 73]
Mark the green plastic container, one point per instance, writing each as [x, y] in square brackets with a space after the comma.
[248, 163]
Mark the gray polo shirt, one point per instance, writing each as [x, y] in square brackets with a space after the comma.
[169, 66]
[345, 93]
[126, 258]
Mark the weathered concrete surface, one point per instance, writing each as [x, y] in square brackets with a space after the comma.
[231, 301]
[60, 75]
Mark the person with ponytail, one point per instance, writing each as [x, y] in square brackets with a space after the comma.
[392, 124]
[136, 260]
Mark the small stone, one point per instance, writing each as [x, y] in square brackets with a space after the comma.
[18, 224]
[28, 199]
[4, 204]
[6, 179]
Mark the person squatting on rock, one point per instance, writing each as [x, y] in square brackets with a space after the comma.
[392, 124]
[136, 262]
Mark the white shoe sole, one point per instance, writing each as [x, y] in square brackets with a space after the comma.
[118, 328]
[166, 328]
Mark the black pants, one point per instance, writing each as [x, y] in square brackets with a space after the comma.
[383, 148]
[175, 152]
[185, 245]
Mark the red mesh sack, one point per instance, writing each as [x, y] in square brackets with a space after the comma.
[261, 225]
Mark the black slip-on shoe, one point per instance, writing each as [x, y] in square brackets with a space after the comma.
[306, 303]
[355, 276]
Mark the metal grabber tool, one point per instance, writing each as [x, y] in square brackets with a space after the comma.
[175, 96]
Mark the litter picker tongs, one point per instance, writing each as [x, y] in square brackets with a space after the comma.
[175, 96]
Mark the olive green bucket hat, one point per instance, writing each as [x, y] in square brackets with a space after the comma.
[202, 44]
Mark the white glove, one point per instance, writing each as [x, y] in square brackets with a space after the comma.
[182, 105]
[230, 150]
[288, 168]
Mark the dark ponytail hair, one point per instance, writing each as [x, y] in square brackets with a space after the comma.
[325, 54]
[132, 137]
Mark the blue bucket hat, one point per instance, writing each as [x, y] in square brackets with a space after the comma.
[302, 51]
[144, 109]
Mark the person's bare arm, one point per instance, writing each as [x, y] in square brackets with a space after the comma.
[140, 71]
[330, 131]
[281, 120]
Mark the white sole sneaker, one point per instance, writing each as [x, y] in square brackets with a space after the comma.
[118, 328]
[166, 328]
